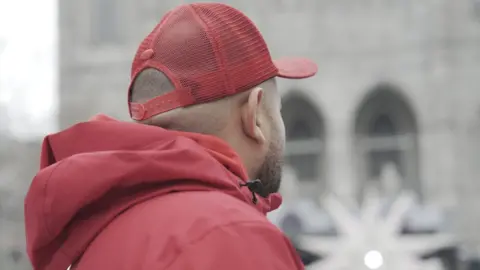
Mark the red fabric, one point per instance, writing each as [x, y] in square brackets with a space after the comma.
[113, 195]
[208, 51]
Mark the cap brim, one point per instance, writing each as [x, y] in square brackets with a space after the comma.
[295, 68]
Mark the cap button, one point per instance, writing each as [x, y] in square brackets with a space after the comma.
[147, 54]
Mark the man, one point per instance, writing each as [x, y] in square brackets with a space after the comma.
[188, 186]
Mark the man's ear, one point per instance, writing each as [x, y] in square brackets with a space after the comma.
[251, 121]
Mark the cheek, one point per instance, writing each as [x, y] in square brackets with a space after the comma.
[279, 133]
[281, 130]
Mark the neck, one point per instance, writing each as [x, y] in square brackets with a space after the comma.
[244, 151]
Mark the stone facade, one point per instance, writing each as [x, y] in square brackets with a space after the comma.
[420, 59]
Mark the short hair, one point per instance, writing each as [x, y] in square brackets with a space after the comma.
[148, 84]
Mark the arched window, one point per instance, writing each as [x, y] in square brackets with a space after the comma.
[386, 134]
[305, 142]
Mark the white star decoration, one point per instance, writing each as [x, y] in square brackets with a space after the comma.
[372, 240]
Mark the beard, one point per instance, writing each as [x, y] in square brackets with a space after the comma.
[270, 173]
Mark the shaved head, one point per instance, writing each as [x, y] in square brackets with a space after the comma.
[207, 118]
[250, 122]
[204, 118]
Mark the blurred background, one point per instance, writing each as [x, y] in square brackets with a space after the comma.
[383, 144]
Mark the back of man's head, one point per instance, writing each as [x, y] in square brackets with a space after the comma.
[206, 118]
[206, 68]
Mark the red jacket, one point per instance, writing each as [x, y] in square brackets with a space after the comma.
[112, 195]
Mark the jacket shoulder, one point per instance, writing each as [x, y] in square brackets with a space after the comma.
[218, 207]
[163, 226]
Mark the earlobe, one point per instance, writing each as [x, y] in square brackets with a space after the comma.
[251, 116]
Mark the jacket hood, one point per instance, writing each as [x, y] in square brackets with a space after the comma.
[95, 170]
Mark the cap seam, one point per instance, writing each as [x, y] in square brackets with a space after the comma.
[259, 34]
[215, 43]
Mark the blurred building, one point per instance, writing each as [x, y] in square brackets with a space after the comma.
[397, 84]
[18, 164]
[4, 121]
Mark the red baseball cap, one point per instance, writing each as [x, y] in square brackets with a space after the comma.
[208, 51]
